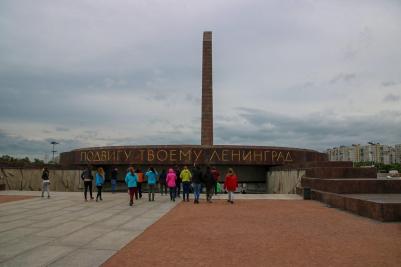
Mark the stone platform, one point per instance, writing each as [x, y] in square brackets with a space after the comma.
[379, 199]
[354, 186]
[67, 231]
[382, 207]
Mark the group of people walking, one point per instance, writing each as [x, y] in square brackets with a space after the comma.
[171, 181]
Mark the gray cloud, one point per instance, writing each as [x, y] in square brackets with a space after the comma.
[129, 72]
[343, 77]
[392, 98]
[20, 147]
[318, 131]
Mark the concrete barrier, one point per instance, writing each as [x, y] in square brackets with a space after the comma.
[31, 179]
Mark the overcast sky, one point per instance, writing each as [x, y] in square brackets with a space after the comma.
[300, 73]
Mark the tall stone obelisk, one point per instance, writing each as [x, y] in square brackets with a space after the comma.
[207, 91]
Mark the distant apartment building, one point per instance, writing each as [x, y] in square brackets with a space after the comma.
[375, 153]
[397, 153]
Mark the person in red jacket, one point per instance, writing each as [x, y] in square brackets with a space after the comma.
[231, 184]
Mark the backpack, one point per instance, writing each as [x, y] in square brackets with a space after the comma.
[86, 174]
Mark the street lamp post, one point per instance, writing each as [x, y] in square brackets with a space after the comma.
[54, 151]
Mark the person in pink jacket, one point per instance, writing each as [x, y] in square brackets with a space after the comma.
[170, 179]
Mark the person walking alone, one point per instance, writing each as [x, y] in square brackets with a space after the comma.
[231, 184]
[151, 177]
[162, 182]
[197, 183]
[170, 179]
[131, 181]
[178, 181]
[99, 183]
[139, 174]
[87, 177]
[185, 176]
[45, 182]
[216, 176]
[209, 182]
[114, 177]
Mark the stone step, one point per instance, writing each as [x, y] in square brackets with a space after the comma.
[354, 186]
[382, 207]
[341, 172]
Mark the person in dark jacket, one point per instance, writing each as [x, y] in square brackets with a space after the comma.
[178, 181]
[162, 181]
[216, 176]
[45, 182]
[197, 183]
[114, 175]
[87, 177]
[209, 182]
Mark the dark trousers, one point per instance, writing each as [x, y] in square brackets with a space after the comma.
[151, 192]
[185, 190]
[163, 188]
[132, 191]
[215, 188]
[88, 184]
[172, 193]
[99, 192]
[209, 192]
[139, 190]
[178, 189]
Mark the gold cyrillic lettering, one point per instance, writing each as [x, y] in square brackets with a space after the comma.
[288, 157]
[266, 157]
[238, 155]
[111, 155]
[197, 155]
[247, 156]
[90, 155]
[104, 155]
[97, 156]
[173, 155]
[280, 155]
[214, 154]
[127, 154]
[274, 155]
[224, 155]
[183, 154]
[83, 156]
[159, 158]
[151, 155]
[257, 154]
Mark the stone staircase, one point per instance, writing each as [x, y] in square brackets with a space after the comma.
[356, 190]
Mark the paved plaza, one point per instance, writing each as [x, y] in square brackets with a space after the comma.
[67, 231]
[259, 229]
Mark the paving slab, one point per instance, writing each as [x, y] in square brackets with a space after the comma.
[14, 224]
[16, 233]
[40, 256]
[17, 246]
[66, 231]
[82, 237]
[113, 240]
[84, 258]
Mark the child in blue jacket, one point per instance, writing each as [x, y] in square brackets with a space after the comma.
[99, 183]
[131, 180]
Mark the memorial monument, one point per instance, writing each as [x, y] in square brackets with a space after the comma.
[250, 162]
